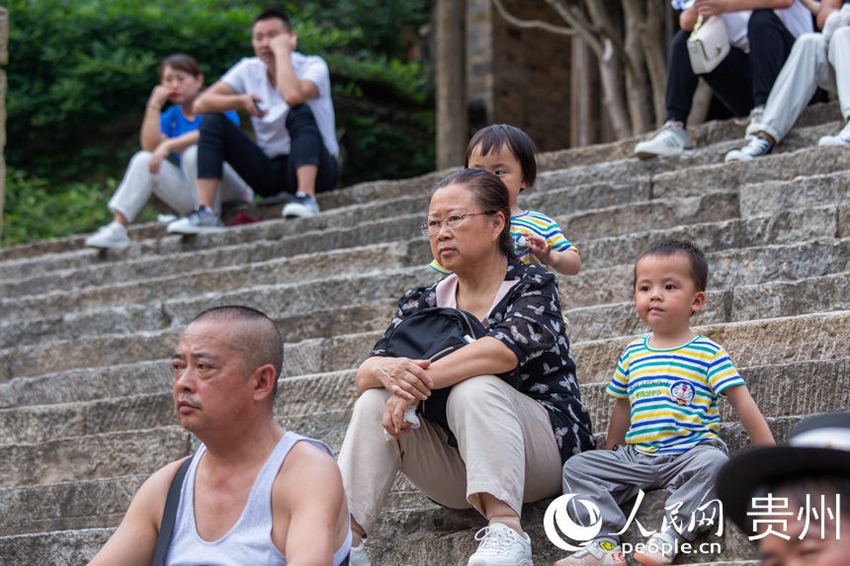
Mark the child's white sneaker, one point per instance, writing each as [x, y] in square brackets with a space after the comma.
[357, 555]
[660, 550]
[501, 546]
[600, 552]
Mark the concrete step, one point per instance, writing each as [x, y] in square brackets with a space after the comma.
[59, 312]
[59, 548]
[580, 180]
[92, 456]
[320, 405]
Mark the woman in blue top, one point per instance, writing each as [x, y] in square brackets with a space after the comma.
[172, 132]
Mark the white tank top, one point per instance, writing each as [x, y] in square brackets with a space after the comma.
[249, 541]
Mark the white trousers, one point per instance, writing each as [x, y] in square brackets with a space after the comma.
[176, 186]
[506, 447]
[813, 63]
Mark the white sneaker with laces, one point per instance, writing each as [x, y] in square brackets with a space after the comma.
[841, 138]
[200, 220]
[673, 139]
[660, 550]
[603, 551]
[302, 205]
[357, 556]
[112, 236]
[501, 546]
[757, 147]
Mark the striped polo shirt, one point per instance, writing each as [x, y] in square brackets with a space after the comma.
[673, 393]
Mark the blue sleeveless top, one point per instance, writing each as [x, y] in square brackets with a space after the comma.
[249, 541]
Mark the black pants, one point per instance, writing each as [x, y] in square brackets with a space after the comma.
[222, 141]
[740, 81]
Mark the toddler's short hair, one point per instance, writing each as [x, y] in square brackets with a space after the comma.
[493, 137]
[666, 248]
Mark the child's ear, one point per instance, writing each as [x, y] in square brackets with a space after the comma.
[698, 302]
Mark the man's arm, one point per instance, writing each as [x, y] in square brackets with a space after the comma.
[293, 90]
[134, 541]
[220, 98]
[826, 8]
[309, 491]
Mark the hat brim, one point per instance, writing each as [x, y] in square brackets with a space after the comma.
[743, 474]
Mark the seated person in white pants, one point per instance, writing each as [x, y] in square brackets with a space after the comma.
[514, 409]
[816, 60]
[173, 133]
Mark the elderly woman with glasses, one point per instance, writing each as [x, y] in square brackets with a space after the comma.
[514, 409]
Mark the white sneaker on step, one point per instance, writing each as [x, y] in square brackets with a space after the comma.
[111, 236]
[672, 139]
[501, 546]
[842, 138]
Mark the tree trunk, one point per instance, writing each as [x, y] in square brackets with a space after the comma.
[656, 63]
[4, 60]
[636, 79]
[452, 113]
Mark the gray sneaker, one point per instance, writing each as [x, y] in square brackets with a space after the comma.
[673, 139]
[302, 205]
[113, 235]
[199, 221]
[756, 147]
[842, 138]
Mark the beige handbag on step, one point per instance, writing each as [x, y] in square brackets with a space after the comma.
[708, 44]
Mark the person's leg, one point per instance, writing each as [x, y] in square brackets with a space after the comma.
[839, 59]
[795, 85]
[805, 69]
[311, 168]
[485, 411]
[681, 80]
[770, 43]
[231, 188]
[135, 189]
[726, 82]
[690, 480]
[369, 462]
[221, 141]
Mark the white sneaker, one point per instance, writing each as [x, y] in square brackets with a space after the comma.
[757, 147]
[501, 546]
[357, 556]
[113, 235]
[660, 550]
[600, 552]
[673, 139]
[200, 220]
[302, 205]
[841, 138]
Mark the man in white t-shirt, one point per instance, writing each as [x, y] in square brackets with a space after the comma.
[288, 97]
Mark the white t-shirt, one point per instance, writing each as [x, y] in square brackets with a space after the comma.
[250, 75]
[796, 18]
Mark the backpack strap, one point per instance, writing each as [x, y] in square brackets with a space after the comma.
[169, 514]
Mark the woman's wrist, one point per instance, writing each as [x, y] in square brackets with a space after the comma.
[155, 107]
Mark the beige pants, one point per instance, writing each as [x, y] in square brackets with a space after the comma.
[506, 448]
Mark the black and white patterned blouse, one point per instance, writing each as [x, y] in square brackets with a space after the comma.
[529, 321]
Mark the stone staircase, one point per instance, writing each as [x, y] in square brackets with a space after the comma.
[85, 410]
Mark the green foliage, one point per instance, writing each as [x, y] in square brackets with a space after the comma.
[34, 209]
[80, 72]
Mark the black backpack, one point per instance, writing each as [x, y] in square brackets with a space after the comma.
[430, 334]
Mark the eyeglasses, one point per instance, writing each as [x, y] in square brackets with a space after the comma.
[432, 227]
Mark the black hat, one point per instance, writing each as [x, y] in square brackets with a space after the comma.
[817, 446]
